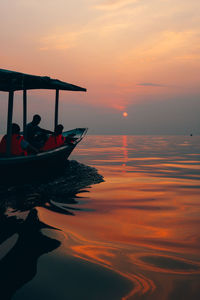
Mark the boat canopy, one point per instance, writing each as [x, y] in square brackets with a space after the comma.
[11, 81]
[16, 81]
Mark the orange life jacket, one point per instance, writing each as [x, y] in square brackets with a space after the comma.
[16, 148]
[53, 142]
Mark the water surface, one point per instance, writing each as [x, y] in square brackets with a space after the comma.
[133, 236]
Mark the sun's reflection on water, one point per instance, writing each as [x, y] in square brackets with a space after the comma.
[145, 216]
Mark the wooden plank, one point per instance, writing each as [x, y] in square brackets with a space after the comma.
[56, 108]
[24, 111]
[9, 123]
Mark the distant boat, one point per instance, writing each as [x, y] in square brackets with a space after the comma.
[14, 81]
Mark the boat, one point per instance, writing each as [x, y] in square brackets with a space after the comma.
[11, 81]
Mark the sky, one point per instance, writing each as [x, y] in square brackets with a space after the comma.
[138, 59]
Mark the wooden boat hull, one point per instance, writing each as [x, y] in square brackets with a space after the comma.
[37, 165]
[44, 164]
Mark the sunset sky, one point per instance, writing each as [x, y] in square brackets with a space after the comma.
[138, 59]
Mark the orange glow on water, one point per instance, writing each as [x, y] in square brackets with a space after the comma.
[144, 223]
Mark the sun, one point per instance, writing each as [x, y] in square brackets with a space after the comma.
[125, 114]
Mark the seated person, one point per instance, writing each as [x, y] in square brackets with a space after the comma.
[18, 145]
[70, 139]
[55, 140]
[35, 135]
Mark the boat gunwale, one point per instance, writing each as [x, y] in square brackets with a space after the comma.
[45, 154]
[37, 156]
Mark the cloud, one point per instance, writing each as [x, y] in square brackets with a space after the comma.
[114, 4]
[62, 40]
[150, 84]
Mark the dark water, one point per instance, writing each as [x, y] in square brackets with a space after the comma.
[133, 236]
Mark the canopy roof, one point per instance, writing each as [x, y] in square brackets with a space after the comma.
[15, 81]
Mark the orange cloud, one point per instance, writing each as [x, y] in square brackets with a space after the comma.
[115, 4]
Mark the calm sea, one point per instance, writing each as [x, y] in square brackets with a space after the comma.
[134, 236]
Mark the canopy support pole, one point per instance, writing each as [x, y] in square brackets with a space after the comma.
[24, 112]
[56, 109]
[9, 123]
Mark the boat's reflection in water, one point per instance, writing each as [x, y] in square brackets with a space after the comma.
[22, 237]
[141, 224]
[22, 243]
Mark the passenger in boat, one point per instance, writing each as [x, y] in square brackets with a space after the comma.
[18, 144]
[36, 135]
[55, 140]
[70, 139]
